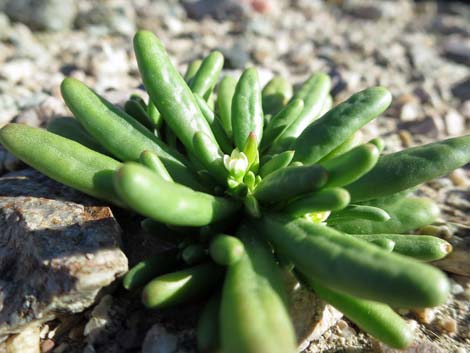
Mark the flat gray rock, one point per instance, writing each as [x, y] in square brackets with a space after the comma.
[58, 249]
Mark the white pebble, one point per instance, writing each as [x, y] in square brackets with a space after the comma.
[456, 289]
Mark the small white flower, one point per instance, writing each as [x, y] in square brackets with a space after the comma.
[318, 217]
[236, 164]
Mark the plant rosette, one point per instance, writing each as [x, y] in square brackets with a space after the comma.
[261, 177]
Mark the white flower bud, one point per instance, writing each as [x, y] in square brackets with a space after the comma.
[236, 164]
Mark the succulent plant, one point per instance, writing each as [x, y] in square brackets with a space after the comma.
[249, 183]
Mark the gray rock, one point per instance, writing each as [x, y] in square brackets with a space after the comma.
[458, 50]
[237, 56]
[100, 318]
[58, 249]
[116, 18]
[159, 340]
[221, 10]
[446, 24]
[51, 15]
[431, 125]
[461, 90]
[365, 11]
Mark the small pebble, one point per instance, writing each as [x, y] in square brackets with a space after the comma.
[51, 333]
[405, 99]
[431, 126]
[159, 337]
[406, 138]
[89, 349]
[426, 315]
[456, 289]
[412, 324]
[76, 333]
[301, 54]
[465, 109]
[51, 107]
[47, 346]
[449, 325]
[455, 123]
[261, 6]
[466, 293]
[61, 348]
[44, 331]
[348, 332]
[17, 70]
[459, 178]
[409, 112]
[342, 325]
[366, 11]
[457, 50]
[28, 117]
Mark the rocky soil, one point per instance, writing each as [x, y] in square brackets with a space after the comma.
[419, 50]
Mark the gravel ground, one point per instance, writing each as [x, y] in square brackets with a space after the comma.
[420, 51]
